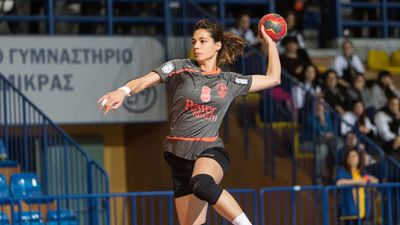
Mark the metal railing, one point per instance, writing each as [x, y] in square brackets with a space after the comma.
[317, 205]
[384, 22]
[137, 208]
[38, 145]
[307, 205]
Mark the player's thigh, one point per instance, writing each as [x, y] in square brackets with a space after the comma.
[208, 166]
[191, 210]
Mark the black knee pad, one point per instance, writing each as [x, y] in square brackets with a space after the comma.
[204, 187]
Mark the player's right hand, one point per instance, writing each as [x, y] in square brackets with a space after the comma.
[111, 101]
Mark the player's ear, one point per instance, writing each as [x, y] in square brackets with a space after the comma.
[218, 45]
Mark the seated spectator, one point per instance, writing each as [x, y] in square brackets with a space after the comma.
[359, 92]
[334, 94]
[292, 31]
[358, 118]
[348, 64]
[387, 121]
[244, 30]
[353, 202]
[351, 142]
[324, 140]
[291, 61]
[308, 86]
[383, 90]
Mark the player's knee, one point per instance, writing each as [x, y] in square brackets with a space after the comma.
[204, 187]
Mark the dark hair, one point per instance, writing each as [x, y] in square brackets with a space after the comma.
[289, 39]
[328, 72]
[360, 166]
[381, 75]
[232, 45]
[303, 76]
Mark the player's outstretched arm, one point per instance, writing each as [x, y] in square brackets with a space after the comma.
[113, 100]
[273, 76]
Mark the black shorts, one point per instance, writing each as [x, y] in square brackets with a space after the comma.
[182, 169]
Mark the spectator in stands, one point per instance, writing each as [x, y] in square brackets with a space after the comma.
[348, 64]
[351, 142]
[324, 140]
[296, 6]
[358, 118]
[334, 94]
[354, 202]
[292, 61]
[359, 92]
[308, 86]
[387, 121]
[383, 90]
[244, 30]
[292, 30]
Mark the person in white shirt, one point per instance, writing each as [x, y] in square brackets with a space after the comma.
[308, 85]
[357, 117]
[347, 64]
[244, 30]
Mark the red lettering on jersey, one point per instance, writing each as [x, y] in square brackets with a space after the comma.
[205, 94]
[201, 111]
[222, 89]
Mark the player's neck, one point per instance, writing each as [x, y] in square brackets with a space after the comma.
[208, 65]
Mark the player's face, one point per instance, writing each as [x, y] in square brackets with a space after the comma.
[205, 48]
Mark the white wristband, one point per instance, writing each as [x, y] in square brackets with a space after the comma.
[126, 89]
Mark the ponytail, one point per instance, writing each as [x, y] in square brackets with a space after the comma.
[232, 47]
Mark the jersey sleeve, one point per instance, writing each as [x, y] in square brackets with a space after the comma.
[168, 69]
[239, 84]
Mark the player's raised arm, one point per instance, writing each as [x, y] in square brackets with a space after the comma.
[273, 76]
[113, 100]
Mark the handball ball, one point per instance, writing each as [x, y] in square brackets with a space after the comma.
[275, 26]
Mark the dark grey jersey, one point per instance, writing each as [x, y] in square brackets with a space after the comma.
[197, 104]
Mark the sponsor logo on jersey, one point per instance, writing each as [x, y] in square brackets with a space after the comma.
[241, 80]
[222, 89]
[201, 111]
[167, 68]
[205, 94]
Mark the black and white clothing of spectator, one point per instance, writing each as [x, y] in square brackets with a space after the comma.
[357, 117]
[387, 121]
[244, 30]
[383, 90]
[348, 65]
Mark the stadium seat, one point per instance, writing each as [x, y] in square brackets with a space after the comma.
[4, 191]
[379, 60]
[4, 219]
[66, 218]
[395, 59]
[25, 185]
[28, 218]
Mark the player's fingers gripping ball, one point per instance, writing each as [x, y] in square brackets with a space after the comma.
[275, 26]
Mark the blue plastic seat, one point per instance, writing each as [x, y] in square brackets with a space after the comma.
[4, 191]
[66, 218]
[28, 218]
[25, 185]
[4, 219]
